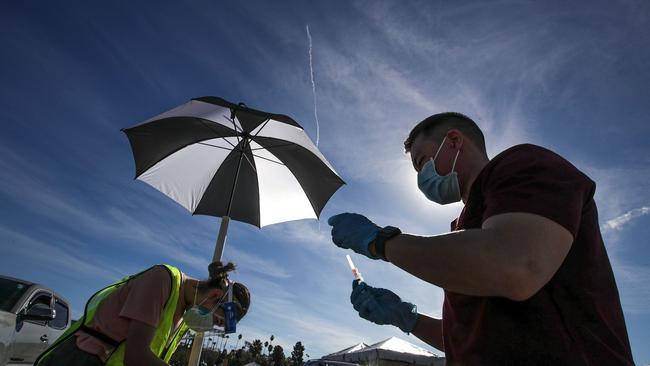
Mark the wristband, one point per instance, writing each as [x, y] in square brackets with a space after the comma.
[380, 241]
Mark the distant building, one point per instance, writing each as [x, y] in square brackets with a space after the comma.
[390, 352]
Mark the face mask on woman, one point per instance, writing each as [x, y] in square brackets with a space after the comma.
[198, 317]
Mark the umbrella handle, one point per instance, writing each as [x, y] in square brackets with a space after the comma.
[221, 239]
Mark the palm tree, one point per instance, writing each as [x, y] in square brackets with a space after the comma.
[238, 339]
[270, 345]
[296, 354]
[225, 343]
[277, 357]
[255, 348]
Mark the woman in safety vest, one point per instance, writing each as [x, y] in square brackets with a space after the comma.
[141, 319]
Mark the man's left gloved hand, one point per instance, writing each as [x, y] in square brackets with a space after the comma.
[353, 231]
[382, 306]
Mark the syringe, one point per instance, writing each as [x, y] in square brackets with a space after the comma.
[354, 269]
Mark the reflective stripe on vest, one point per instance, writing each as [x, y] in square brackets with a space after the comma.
[163, 344]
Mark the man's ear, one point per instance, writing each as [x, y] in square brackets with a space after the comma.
[455, 138]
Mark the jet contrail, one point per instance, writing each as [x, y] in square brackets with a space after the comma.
[313, 87]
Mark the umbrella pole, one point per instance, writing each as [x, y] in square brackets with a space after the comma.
[197, 346]
[221, 239]
[223, 230]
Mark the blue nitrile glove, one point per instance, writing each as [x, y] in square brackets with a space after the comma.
[353, 231]
[382, 306]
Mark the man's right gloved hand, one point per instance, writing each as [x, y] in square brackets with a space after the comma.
[382, 306]
[354, 231]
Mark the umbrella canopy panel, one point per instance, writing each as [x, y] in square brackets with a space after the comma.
[282, 198]
[228, 160]
[185, 175]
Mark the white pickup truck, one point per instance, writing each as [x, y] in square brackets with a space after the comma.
[31, 318]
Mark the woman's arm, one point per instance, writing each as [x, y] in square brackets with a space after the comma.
[137, 351]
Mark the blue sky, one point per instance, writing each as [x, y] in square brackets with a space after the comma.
[572, 77]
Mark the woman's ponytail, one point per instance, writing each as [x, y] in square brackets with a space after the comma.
[219, 274]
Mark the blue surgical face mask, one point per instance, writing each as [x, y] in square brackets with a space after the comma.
[198, 317]
[437, 188]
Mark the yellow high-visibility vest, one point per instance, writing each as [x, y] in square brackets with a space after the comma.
[163, 344]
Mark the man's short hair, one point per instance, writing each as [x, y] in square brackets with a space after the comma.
[441, 123]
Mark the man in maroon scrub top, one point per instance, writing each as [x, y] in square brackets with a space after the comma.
[526, 276]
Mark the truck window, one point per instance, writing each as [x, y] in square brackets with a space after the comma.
[40, 298]
[61, 319]
[10, 292]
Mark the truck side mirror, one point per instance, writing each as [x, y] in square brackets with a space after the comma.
[39, 312]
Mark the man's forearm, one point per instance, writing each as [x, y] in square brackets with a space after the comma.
[429, 330]
[472, 262]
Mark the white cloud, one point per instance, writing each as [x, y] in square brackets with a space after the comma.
[264, 266]
[31, 184]
[634, 286]
[54, 257]
[310, 235]
[617, 188]
[617, 223]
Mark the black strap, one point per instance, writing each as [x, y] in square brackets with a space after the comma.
[380, 241]
[99, 335]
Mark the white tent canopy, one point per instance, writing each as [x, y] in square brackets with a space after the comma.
[340, 355]
[391, 349]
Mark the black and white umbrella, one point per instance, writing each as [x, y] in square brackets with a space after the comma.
[222, 159]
